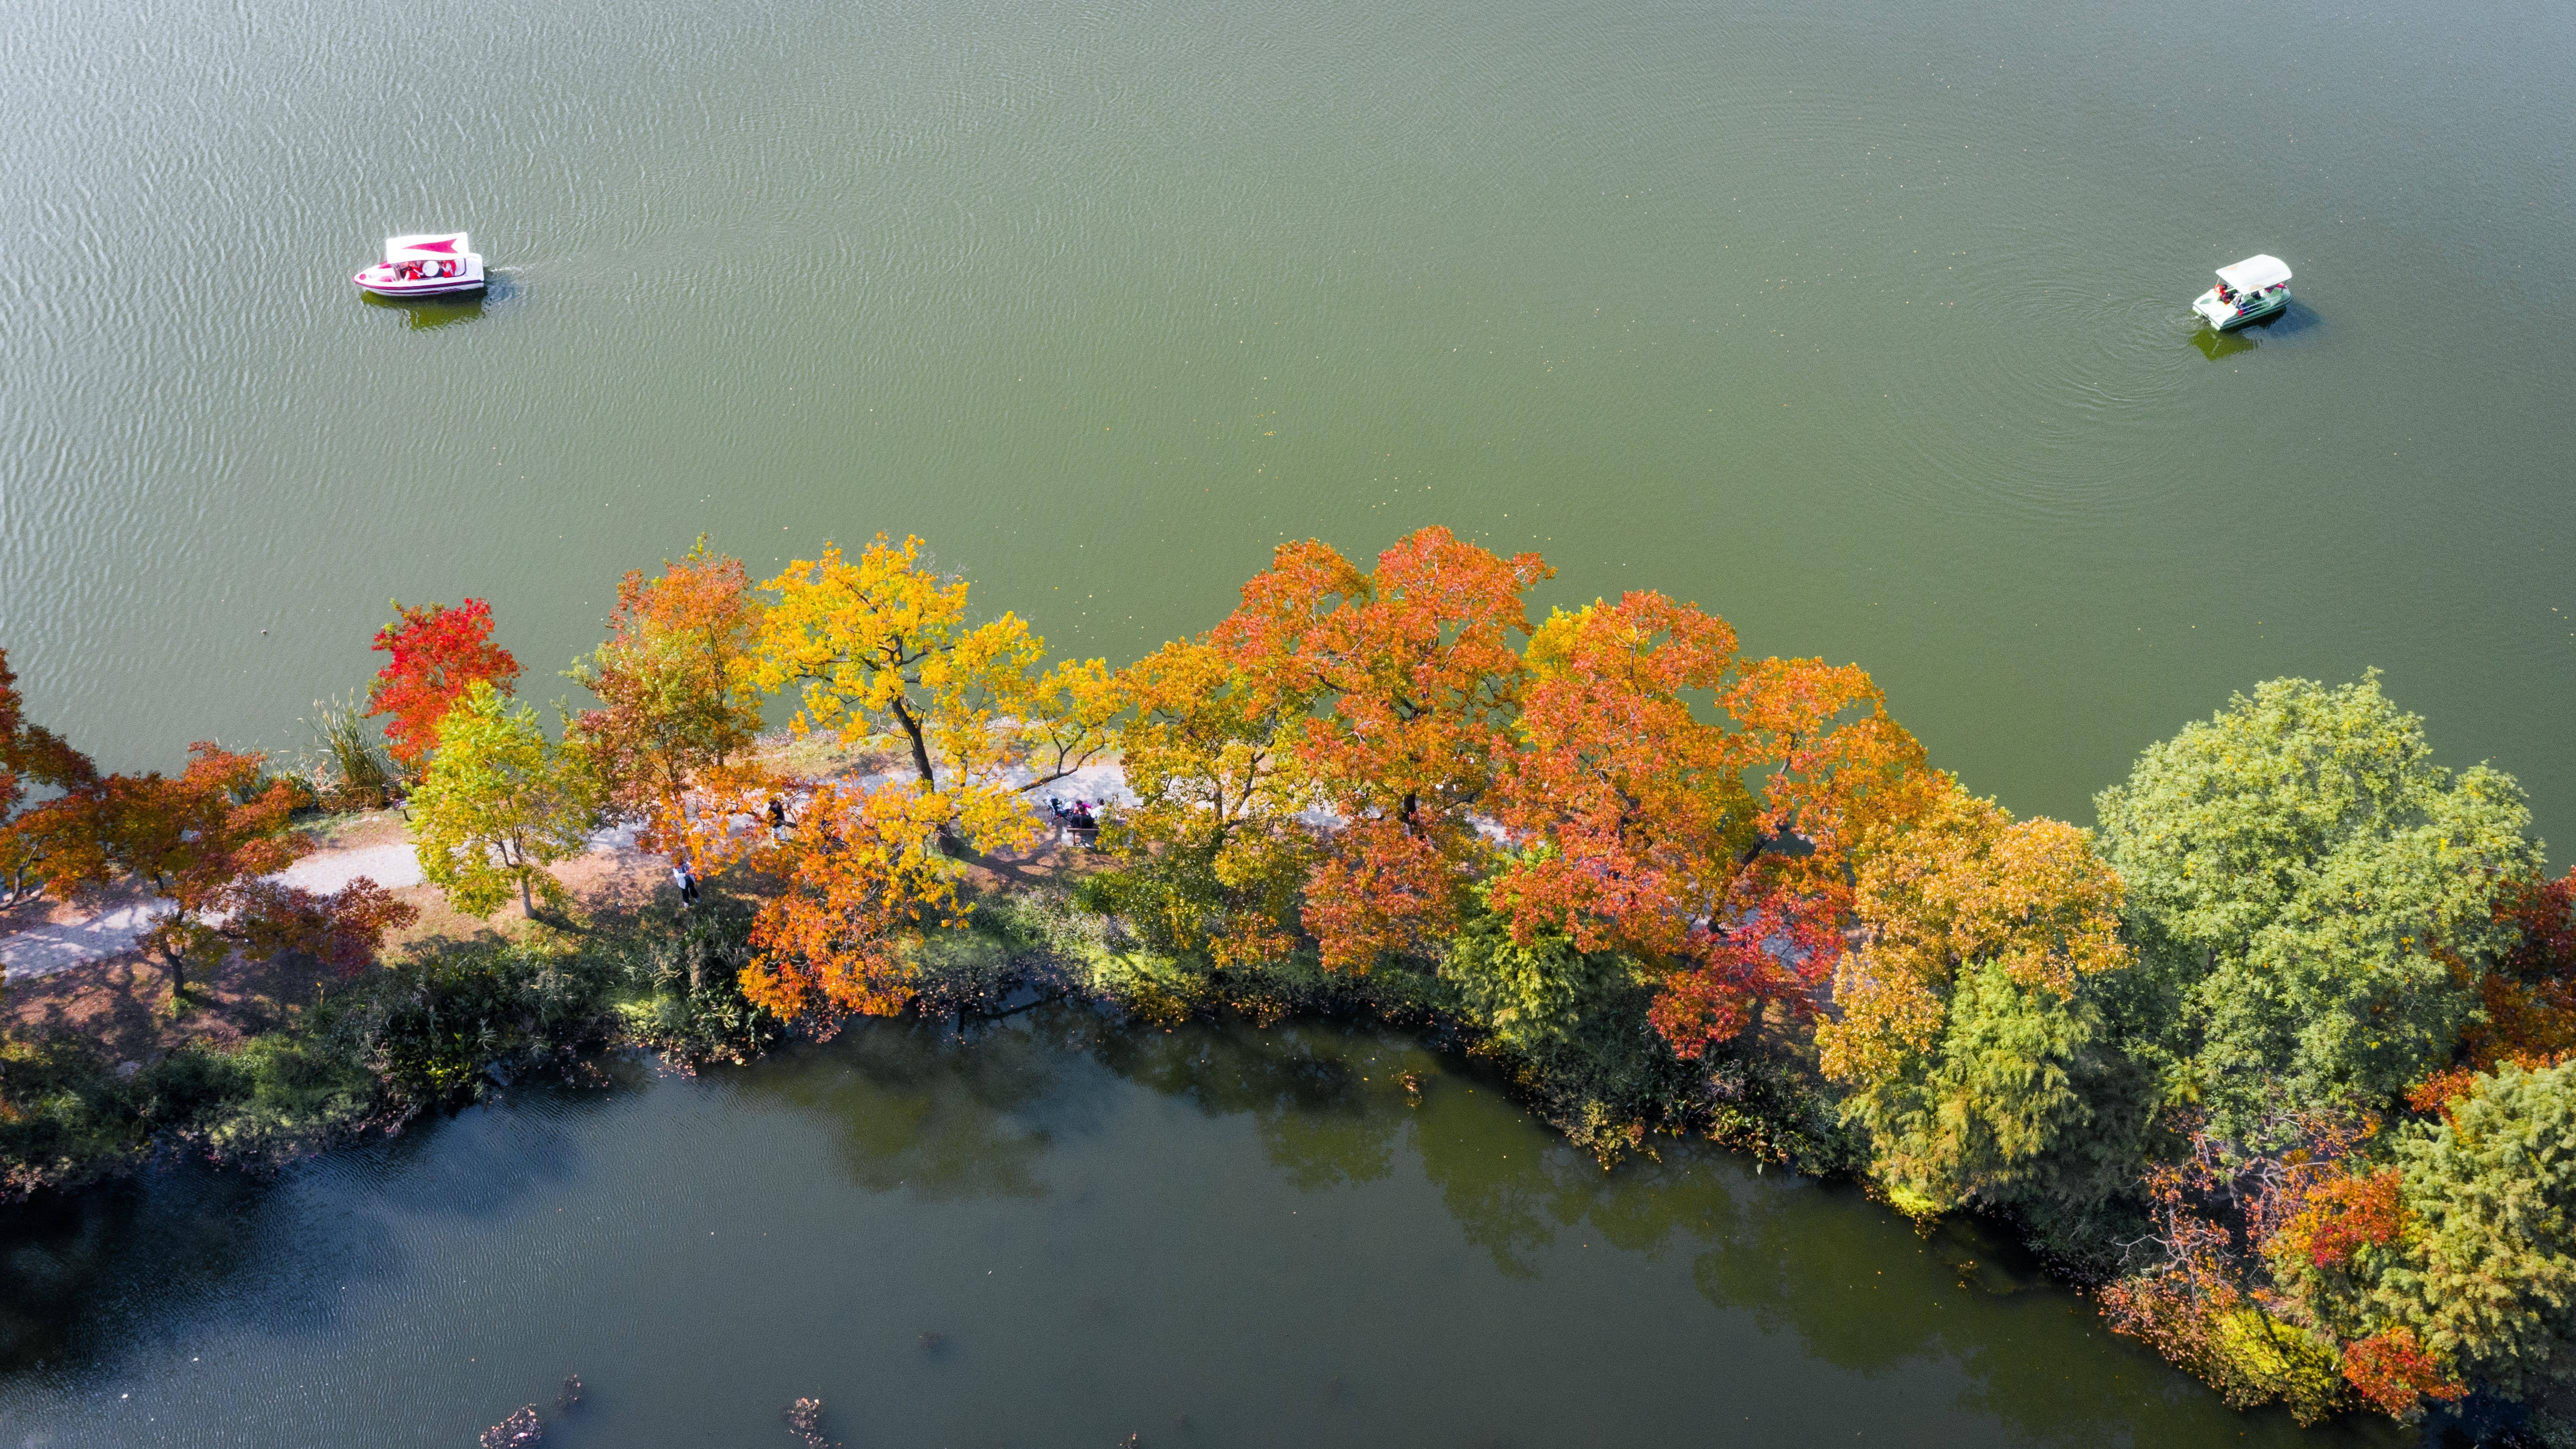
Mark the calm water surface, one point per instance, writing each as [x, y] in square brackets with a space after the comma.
[1862, 324]
[1052, 1236]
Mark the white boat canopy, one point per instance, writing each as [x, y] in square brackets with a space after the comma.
[2255, 273]
[434, 245]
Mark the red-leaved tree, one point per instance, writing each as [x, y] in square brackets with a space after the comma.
[343, 929]
[1697, 811]
[438, 653]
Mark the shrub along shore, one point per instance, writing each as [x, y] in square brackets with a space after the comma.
[2280, 1053]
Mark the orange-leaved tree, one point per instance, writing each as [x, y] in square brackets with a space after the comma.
[195, 840]
[1212, 853]
[863, 881]
[669, 744]
[31, 839]
[1414, 675]
[438, 654]
[1633, 804]
[1833, 767]
[1700, 812]
[883, 639]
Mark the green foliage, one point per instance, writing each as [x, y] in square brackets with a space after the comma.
[428, 1031]
[1161, 896]
[2300, 877]
[684, 995]
[2022, 1102]
[1542, 996]
[65, 1118]
[498, 805]
[432, 1027]
[281, 1093]
[2487, 1272]
[70, 1116]
[2254, 1358]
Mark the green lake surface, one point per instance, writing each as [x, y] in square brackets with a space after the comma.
[1057, 1234]
[1861, 324]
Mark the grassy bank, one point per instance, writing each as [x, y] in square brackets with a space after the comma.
[452, 1019]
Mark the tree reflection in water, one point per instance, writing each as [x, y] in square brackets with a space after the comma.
[915, 1107]
[919, 1108]
[1080, 1194]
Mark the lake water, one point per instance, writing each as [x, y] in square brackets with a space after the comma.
[1055, 1235]
[1862, 324]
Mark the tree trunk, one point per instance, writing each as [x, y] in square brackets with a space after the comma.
[527, 902]
[920, 750]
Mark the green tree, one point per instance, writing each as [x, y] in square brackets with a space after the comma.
[2485, 1269]
[2310, 897]
[498, 806]
[1540, 993]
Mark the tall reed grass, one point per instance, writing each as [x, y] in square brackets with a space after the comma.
[348, 764]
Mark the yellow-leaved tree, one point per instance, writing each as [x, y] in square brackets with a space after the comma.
[882, 640]
[1212, 856]
[1969, 1033]
[498, 805]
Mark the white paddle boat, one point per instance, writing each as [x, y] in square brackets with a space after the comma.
[2247, 291]
[434, 264]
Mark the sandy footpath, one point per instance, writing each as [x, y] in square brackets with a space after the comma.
[381, 851]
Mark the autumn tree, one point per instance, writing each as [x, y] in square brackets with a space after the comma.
[1211, 855]
[32, 838]
[2312, 895]
[1967, 1030]
[2206, 1295]
[438, 654]
[343, 929]
[1413, 679]
[2528, 998]
[498, 806]
[1696, 811]
[864, 880]
[1639, 804]
[195, 841]
[678, 713]
[883, 639]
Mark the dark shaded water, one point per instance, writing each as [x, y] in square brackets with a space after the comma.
[1052, 1236]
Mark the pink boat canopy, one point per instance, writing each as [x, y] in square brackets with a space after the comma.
[429, 246]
